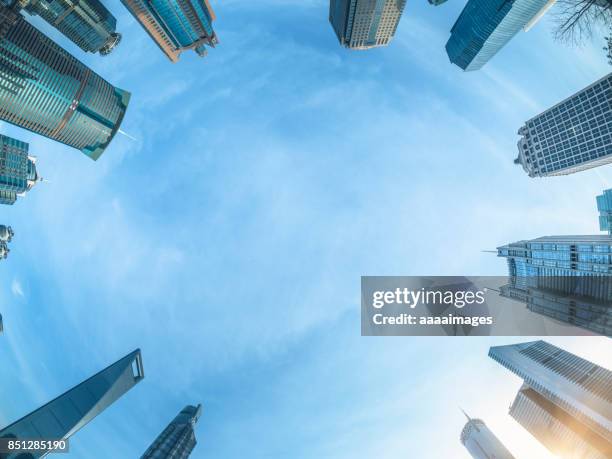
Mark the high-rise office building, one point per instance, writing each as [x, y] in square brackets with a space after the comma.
[575, 395]
[486, 26]
[17, 170]
[604, 206]
[48, 91]
[86, 22]
[176, 25]
[568, 307]
[572, 136]
[559, 432]
[364, 24]
[64, 416]
[481, 442]
[581, 265]
[6, 233]
[177, 441]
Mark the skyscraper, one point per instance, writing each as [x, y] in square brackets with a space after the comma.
[364, 24]
[48, 91]
[481, 442]
[563, 435]
[580, 265]
[64, 416]
[176, 25]
[568, 307]
[572, 136]
[86, 22]
[177, 441]
[17, 170]
[6, 235]
[4, 250]
[604, 206]
[486, 26]
[565, 401]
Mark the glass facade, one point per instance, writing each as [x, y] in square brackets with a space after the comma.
[177, 441]
[64, 416]
[17, 170]
[364, 24]
[558, 431]
[486, 26]
[481, 442]
[85, 22]
[572, 136]
[176, 25]
[48, 91]
[577, 391]
[604, 206]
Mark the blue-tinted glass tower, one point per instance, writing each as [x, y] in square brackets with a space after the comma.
[486, 26]
[572, 136]
[17, 170]
[565, 401]
[45, 89]
[481, 442]
[176, 25]
[86, 22]
[67, 414]
[604, 206]
[177, 441]
[364, 24]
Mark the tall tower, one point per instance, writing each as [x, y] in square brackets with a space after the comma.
[48, 91]
[364, 24]
[6, 235]
[177, 441]
[604, 206]
[565, 401]
[481, 442]
[574, 135]
[64, 416]
[85, 22]
[486, 26]
[176, 25]
[17, 171]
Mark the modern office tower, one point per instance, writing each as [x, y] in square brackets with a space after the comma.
[17, 170]
[604, 206]
[581, 265]
[48, 91]
[176, 25]
[578, 310]
[481, 442]
[6, 233]
[559, 432]
[364, 24]
[86, 22]
[565, 389]
[177, 441]
[485, 26]
[64, 416]
[572, 136]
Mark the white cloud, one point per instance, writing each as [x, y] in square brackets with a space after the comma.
[17, 289]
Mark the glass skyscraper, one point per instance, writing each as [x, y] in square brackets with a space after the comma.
[572, 136]
[364, 24]
[604, 206]
[46, 90]
[177, 441]
[485, 26]
[555, 429]
[176, 25]
[86, 22]
[17, 169]
[481, 442]
[64, 416]
[565, 401]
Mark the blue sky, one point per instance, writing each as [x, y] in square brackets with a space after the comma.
[227, 241]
